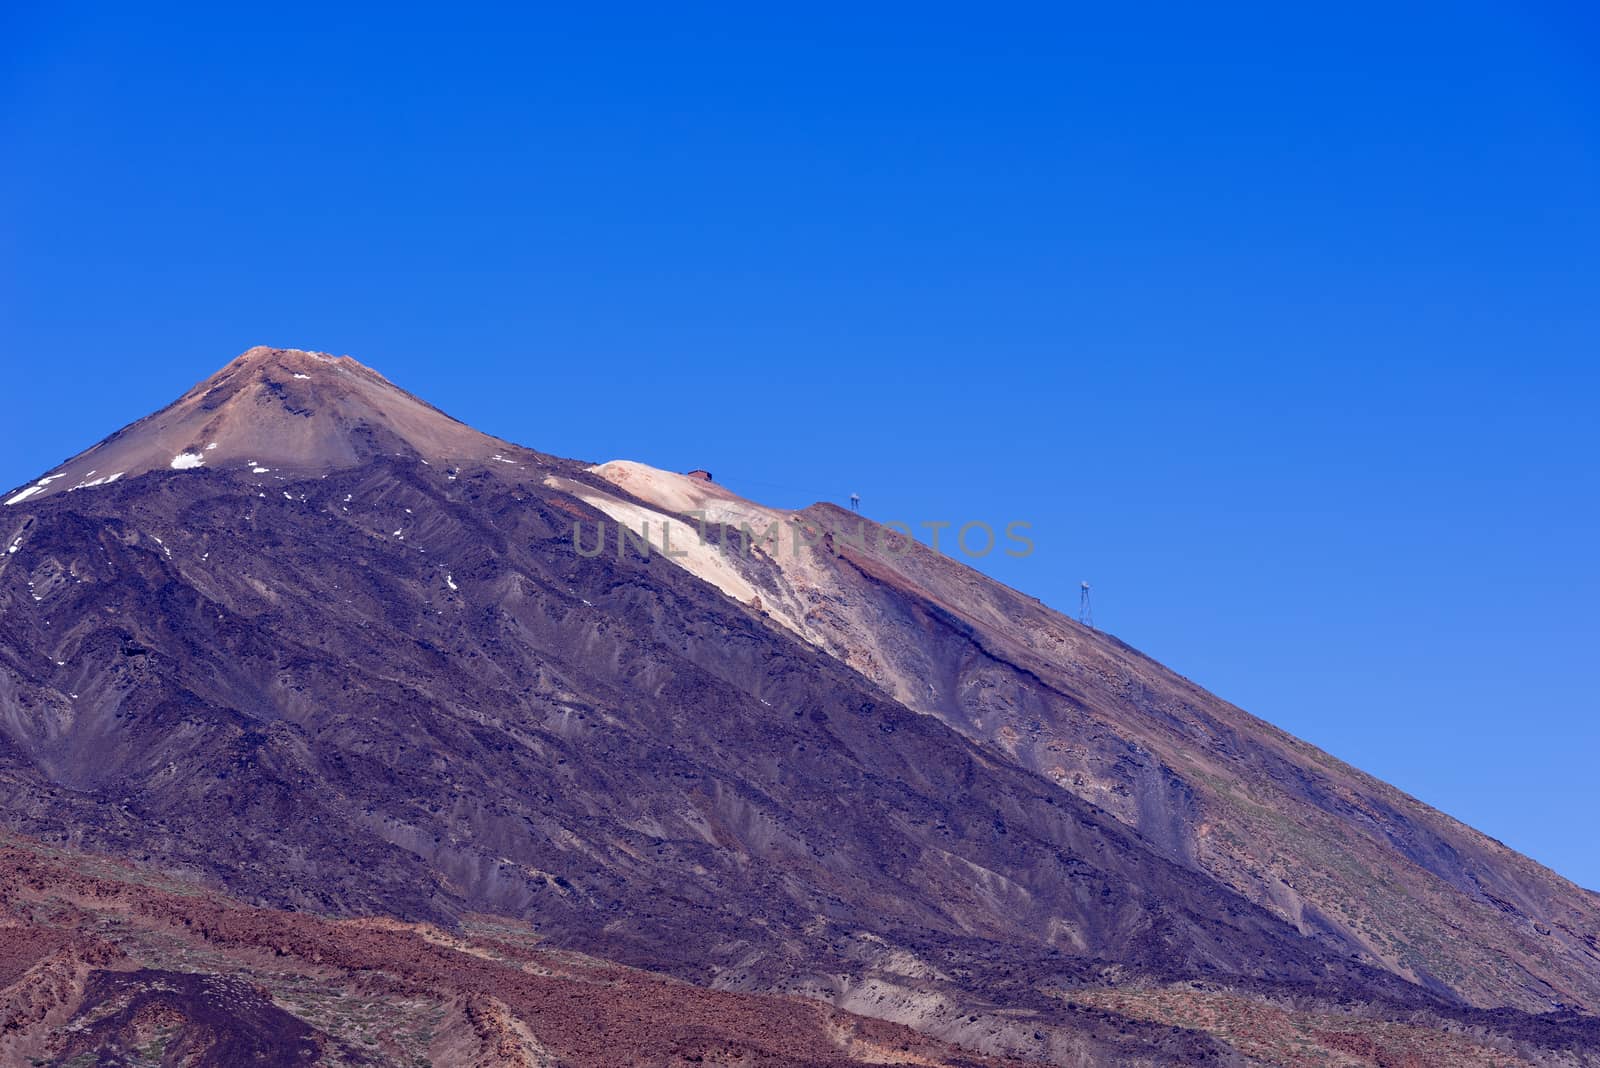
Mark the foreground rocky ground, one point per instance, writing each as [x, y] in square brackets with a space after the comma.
[107, 963]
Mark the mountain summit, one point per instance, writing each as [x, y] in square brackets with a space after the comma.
[314, 646]
[276, 408]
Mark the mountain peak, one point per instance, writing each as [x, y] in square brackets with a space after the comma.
[266, 357]
[279, 408]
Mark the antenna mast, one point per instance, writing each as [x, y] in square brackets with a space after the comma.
[1085, 613]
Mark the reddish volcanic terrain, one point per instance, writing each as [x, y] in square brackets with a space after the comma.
[105, 959]
[398, 775]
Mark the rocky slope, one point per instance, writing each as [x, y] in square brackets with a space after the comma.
[354, 662]
[1326, 847]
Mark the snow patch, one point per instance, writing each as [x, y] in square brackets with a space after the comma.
[25, 494]
[103, 480]
[186, 461]
[297, 374]
[448, 581]
[211, 446]
[260, 470]
[35, 488]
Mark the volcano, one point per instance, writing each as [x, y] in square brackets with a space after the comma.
[305, 657]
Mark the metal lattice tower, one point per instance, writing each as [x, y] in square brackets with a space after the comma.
[1085, 613]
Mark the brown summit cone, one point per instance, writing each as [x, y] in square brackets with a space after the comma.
[278, 408]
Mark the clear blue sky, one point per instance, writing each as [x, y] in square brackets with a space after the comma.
[1281, 325]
